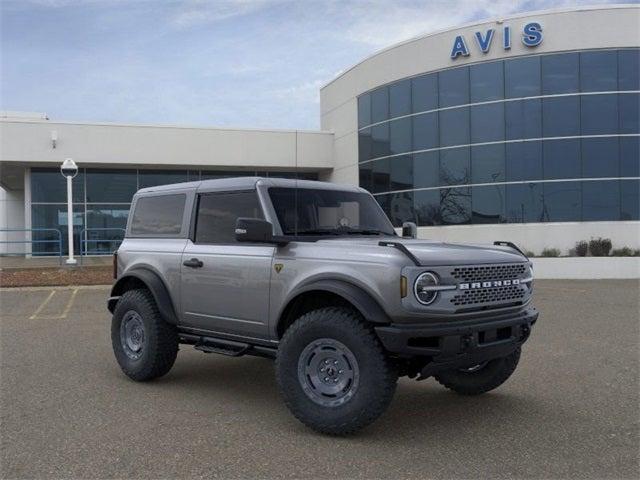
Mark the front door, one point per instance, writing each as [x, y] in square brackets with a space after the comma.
[225, 284]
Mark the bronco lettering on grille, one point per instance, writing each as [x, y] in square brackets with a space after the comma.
[489, 284]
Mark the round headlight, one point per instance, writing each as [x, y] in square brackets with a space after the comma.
[422, 288]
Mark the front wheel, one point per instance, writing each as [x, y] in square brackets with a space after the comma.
[480, 378]
[333, 373]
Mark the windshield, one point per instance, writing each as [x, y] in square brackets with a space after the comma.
[328, 212]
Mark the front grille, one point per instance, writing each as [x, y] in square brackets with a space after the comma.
[514, 293]
[481, 273]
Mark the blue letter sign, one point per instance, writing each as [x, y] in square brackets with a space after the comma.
[485, 43]
[459, 48]
[532, 35]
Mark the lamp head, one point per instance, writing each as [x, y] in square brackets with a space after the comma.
[69, 169]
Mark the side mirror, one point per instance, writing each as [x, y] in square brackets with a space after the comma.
[253, 230]
[409, 230]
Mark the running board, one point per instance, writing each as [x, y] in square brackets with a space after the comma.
[223, 346]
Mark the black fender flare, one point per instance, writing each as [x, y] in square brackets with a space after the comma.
[154, 284]
[357, 296]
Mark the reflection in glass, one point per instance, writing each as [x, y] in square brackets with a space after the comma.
[427, 207]
[629, 69]
[379, 104]
[630, 200]
[629, 113]
[560, 73]
[455, 166]
[380, 140]
[487, 123]
[454, 127]
[364, 145]
[523, 119]
[366, 176]
[488, 204]
[425, 131]
[426, 169]
[400, 135]
[49, 186]
[111, 186]
[453, 86]
[455, 205]
[524, 203]
[401, 176]
[522, 77]
[561, 116]
[600, 200]
[55, 217]
[600, 157]
[561, 202]
[599, 114]
[523, 161]
[400, 98]
[401, 208]
[105, 228]
[364, 110]
[487, 163]
[630, 157]
[381, 176]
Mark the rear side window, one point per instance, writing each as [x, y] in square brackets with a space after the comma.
[158, 215]
[218, 212]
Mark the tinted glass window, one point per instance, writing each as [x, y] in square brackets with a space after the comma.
[218, 212]
[366, 177]
[425, 131]
[400, 98]
[401, 172]
[487, 123]
[455, 205]
[400, 135]
[51, 217]
[599, 71]
[364, 110]
[487, 81]
[211, 174]
[523, 119]
[523, 161]
[424, 92]
[380, 140]
[426, 169]
[561, 159]
[522, 77]
[401, 208]
[158, 215]
[455, 166]
[629, 70]
[427, 207]
[488, 204]
[487, 164]
[111, 186]
[381, 175]
[524, 203]
[630, 200]
[307, 210]
[560, 73]
[630, 157]
[629, 113]
[111, 218]
[599, 114]
[379, 105]
[562, 201]
[454, 127]
[364, 144]
[561, 116]
[49, 186]
[600, 201]
[600, 157]
[152, 179]
[453, 87]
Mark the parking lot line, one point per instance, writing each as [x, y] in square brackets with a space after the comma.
[42, 305]
[61, 316]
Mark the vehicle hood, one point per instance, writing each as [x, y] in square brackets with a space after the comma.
[435, 253]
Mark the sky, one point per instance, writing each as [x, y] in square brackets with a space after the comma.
[227, 63]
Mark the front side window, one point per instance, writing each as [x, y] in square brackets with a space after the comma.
[218, 212]
[158, 215]
[307, 211]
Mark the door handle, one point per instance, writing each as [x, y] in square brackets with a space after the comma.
[193, 263]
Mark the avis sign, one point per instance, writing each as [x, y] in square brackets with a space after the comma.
[531, 37]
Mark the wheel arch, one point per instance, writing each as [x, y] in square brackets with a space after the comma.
[329, 292]
[145, 278]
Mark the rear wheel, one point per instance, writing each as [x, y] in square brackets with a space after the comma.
[333, 373]
[480, 378]
[144, 345]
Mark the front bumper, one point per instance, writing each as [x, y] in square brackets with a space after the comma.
[452, 345]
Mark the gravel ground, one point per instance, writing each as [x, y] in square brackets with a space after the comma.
[46, 276]
[570, 411]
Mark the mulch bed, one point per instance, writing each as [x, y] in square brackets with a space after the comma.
[55, 276]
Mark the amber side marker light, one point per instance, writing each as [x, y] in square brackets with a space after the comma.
[403, 286]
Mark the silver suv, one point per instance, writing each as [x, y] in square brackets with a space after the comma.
[314, 276]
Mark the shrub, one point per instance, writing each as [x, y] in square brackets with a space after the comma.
[581, 248]
[600, 247]
[550, 252]
[529, 253]
[624, 252]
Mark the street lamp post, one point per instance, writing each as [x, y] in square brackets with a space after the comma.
[69, 170]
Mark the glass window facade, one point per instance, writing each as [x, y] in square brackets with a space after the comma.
[545, 138]
[102, 200]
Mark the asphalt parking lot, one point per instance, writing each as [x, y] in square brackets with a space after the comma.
[570, 411]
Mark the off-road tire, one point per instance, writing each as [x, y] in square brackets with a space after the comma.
[160, 348]
[491, 376]
[377, 376]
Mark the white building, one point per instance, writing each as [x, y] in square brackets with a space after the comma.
[523, 128]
